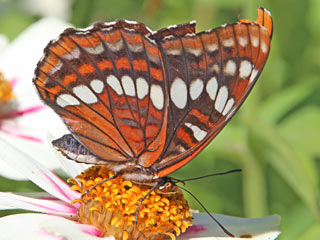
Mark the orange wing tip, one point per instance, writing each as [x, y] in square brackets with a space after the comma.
[264, 19]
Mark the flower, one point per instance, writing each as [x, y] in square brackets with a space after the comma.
[24, 119]
[59, 210]
[115, 206]
[51, 8]
[8, 110]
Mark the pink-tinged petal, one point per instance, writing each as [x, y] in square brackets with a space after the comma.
[29, 133]
[18, 113]
[20, 134]
[36, 172]
[33, 126]
[38, 195]
[253, 228]
[58, 208]
[46, 227]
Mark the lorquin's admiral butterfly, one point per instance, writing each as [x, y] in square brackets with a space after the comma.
[145, 102]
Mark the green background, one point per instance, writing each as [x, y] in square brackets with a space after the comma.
[274, 138]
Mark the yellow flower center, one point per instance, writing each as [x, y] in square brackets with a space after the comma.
[111, 207]
[6, 93]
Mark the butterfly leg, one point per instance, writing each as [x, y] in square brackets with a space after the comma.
[98, 183]
[142, 199]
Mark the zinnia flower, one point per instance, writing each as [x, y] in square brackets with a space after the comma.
[24, 120]
[59, 208]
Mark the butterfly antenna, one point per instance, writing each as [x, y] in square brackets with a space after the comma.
[210, 215]
[98, 183]
[210, 175]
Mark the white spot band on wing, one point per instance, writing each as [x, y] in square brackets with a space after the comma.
[178, 93]
[65, 99]
[245, 69]
[196, 88]
[198, 133]
[212, 88]
[114, 83]
[228, 106]
[97, 85]
[142, 88]
[128, 86]
[85, 94]
[157, 97]
[221, 98]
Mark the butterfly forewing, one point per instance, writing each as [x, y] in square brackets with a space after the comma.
[100, 82]
[154, 99]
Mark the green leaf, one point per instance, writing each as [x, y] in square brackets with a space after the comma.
[290, 162]
[312, 233]
[13, 23]
[302, 129]
[280, 103]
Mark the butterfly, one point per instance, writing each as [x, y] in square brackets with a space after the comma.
[145, 103]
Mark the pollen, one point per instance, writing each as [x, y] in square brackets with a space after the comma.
[6, 93]
[112, 206]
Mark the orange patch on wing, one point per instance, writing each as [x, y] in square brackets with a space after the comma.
[123, 63]
[140, 65]
[50, 62]
[156, 74]
[70, 78]
[192, 42]
[151, 49]
[86, 40]
[174, 44]
[201, 117]
[57, 49]
[110, 37]
[63, 46]
[185, 137]
[55, 90]
[132, 38]
[105, 64]
[86, 69]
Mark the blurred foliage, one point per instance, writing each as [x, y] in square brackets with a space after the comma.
[275, 136]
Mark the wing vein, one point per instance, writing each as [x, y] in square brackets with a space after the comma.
[116, 73]
[84, 119]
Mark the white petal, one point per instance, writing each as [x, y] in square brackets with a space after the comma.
[3, 42]
[45, 227]
[35, 124]
[49, 28]
[3, 207]
[259, 228]
[36, 172]
[38, 150]
[54, 207]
